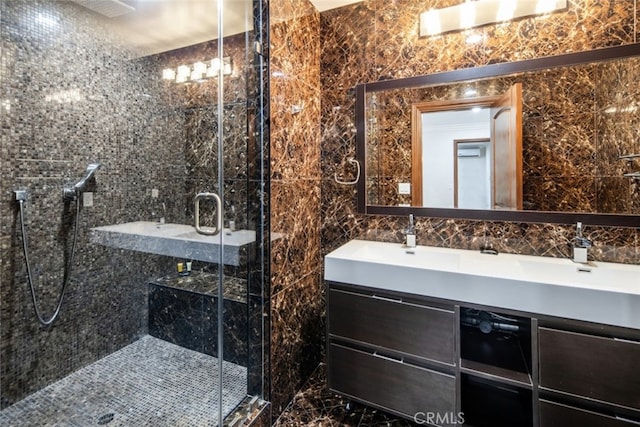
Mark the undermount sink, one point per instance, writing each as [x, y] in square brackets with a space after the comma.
[602, 275]
[233, 238]
[600, 292]
[419, 256]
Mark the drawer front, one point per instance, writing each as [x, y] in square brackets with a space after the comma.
[409, 328]
[599, 368]
[391, 385]
[557, 415]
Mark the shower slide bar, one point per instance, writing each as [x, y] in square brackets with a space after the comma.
[69, 194]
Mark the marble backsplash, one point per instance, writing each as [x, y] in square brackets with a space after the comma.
[378, 39]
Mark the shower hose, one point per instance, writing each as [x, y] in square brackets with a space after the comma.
[67, 270]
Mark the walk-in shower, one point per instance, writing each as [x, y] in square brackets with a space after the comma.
[138, 321]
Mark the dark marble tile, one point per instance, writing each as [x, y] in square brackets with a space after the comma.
[205, 283]
[189, 319]
[296, 255]
[297, 333]
[258, 351]
[177, 316]
[614, 194]
[259, 417]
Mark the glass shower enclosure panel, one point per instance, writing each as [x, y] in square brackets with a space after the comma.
[128, 238]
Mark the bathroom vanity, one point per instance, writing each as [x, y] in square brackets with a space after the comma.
[450, 337]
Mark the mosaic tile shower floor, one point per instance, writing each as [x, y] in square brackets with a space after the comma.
[148, 383]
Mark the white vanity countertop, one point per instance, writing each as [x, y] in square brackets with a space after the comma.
[599, 292]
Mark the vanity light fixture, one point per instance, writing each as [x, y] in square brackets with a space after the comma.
[198, 71]
[471, 14]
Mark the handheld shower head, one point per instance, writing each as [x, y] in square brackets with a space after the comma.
[91, 170]
[70, 193]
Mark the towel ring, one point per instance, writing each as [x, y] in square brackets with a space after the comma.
[355, 181]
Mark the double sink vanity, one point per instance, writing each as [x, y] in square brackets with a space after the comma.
[450, 337]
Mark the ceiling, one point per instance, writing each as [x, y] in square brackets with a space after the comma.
[153, 26]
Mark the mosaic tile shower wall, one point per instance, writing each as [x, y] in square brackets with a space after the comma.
[73, 97]
[378, 39]
[296, 264]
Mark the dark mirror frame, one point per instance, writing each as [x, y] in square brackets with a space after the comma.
[483, 72]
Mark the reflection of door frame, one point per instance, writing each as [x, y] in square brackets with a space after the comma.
[417, 110]
[456, 144]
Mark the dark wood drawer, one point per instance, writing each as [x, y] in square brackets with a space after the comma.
[391, 385]
[599, 368]
[558, 415]
[409, 328]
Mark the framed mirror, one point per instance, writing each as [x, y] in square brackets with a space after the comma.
[562, 137]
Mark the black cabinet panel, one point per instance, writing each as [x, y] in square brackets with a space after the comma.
[557, 415]
[409, 328]
[392, 385]
[599, 368]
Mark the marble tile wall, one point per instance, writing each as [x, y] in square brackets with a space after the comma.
[378, 39]
[198, 105]
[296, 264]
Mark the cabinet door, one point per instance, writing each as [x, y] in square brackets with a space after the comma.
[413, 329]
[392, 385]
[598, 368]
[557, 415]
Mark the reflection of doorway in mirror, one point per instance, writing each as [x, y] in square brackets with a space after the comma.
[435, 127]
[472, 174]
[440, 130]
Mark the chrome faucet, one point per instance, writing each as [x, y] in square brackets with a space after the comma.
[580, 246]
[164, 213]
[160, 216]
[410, 234]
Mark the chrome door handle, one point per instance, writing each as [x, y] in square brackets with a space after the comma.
[216, 199]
